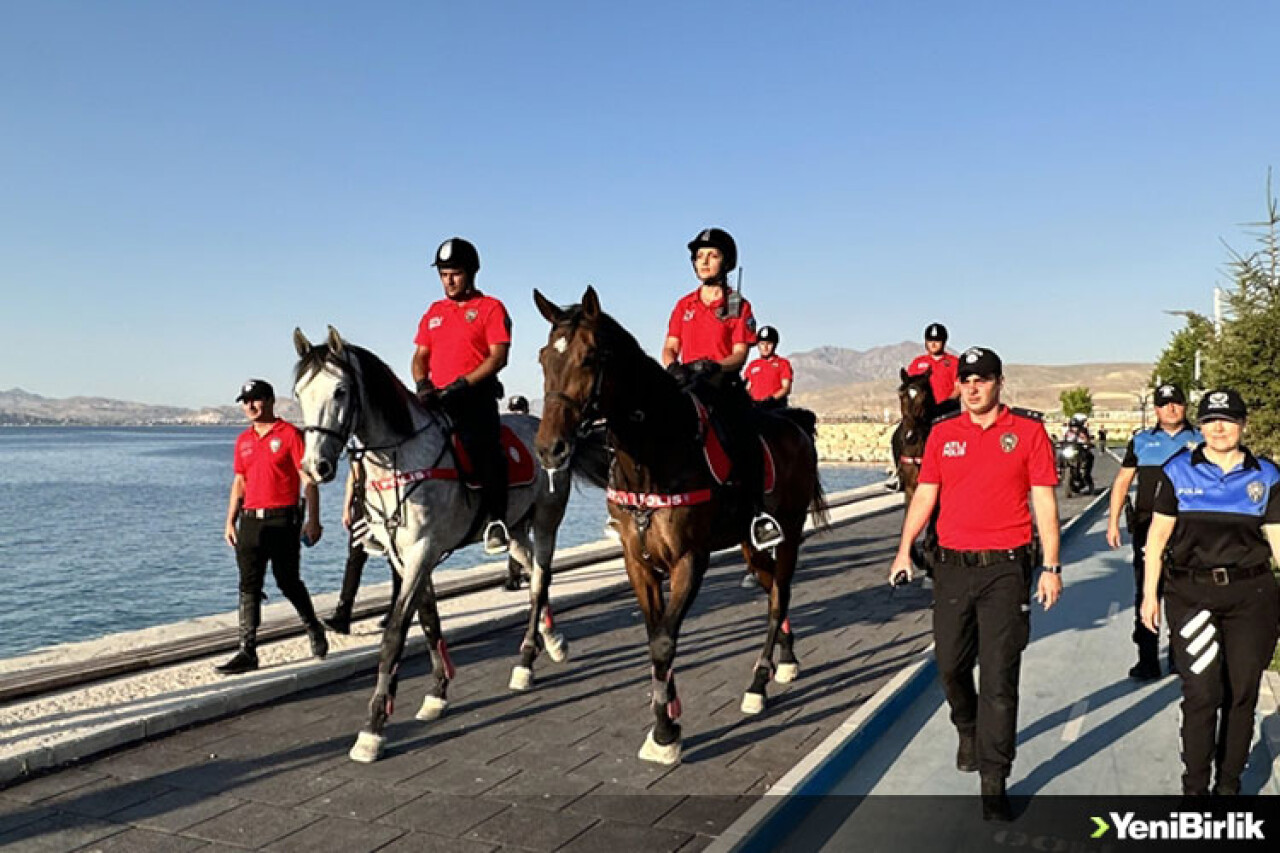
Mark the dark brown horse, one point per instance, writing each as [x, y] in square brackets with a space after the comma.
[915, 399]
[670, 512]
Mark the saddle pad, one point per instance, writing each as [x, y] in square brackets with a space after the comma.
[521, 470]
[718, 461]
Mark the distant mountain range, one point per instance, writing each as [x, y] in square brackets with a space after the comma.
[832, 381]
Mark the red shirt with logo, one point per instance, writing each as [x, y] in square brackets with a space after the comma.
[702, 334]
[764, 376]
[269, 464]
[942, 373]
[458, 335]
[984, 477]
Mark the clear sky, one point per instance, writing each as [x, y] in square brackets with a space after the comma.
[181, 183]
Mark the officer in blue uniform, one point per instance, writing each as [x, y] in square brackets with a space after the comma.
[1217, 508]
[1147, 451]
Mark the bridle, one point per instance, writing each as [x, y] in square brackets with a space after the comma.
[348, 426]
[588, 410]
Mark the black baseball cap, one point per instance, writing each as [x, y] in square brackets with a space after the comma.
[256, 389]
[1223, 404]
[1169, 393]
[935, 332]
[980, 361]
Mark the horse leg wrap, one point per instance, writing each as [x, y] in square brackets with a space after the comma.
[786, 626]
[548, 621]
[664, 695]
[443, 649]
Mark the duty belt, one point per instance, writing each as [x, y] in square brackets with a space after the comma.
[273, 512]
[1220, 576]
[975, 559]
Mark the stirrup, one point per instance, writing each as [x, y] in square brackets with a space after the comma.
[496, 540]
[765, 532]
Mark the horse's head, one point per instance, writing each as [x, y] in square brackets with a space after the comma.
[915, 396]
[326, 390]
[573, 375]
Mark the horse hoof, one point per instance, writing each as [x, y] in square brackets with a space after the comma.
[432, 709]
[752, 703]
[557, 647]
[368, 748]
[786, 673]
[658, 754]
[521, 678]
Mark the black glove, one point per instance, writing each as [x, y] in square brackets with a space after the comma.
[705, 367]
[679, 372]
[426, 392]
[459, 384]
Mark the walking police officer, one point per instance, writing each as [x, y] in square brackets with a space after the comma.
[979, 465]
[1217, 508]
[463, 341]
[265, 523]
[769, 376]
[708, 336]
[358, 548]
[1148, 450]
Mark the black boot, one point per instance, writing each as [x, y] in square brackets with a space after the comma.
[967, 753]
[995, 802]
[340, 621]
[246, 659]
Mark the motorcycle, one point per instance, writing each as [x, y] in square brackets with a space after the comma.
[1075, 462]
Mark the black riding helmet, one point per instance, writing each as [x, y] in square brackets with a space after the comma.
[716, 238]
[518, 403]
[767, 334]
[935, 332]
[457, 254]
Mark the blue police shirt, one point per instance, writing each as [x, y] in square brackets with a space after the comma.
[1147, 451]
[1220, 514]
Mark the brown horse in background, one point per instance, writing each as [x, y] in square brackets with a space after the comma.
[915, 399]
[670, 512]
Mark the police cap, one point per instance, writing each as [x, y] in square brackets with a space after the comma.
[256, 389]
[1223, 404]
[980, 361]
[1169, 393]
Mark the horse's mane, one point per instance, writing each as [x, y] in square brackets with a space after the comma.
[382, 388]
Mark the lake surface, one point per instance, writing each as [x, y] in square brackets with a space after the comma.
[108, 530]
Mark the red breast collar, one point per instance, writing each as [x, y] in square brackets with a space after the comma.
[652, 500]
[404, 478]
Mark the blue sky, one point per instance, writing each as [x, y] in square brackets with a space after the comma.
[185, 182]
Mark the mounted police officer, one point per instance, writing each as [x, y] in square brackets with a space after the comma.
[518, 404]
[941, 367]
[1148, 450]
[979, 465]
[769, 377]
[709, 334]
[1217, 509]
[463, 341]
[1077, 432]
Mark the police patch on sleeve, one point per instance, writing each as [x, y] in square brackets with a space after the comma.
[751, 324]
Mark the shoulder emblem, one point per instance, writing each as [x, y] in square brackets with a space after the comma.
[1256, 491]
[1027, 413]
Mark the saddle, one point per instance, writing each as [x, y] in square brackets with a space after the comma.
[521, 469]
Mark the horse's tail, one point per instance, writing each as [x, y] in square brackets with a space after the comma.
[592, 458]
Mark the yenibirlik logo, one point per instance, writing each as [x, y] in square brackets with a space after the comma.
[1182, 826]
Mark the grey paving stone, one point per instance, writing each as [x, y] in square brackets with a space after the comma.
[422, 842]
[444, 814]
[624, 769]
[707, 778]
[57, 833]
[393, 767]
[459, 777]
[14, 814]
[252, 825]
[285, 787]
[547, 757]
[624, 804]
[174, 811]
[144, 841]
[532, 829]
[547, 790]
[705, 815]
[105, 796]
[626, 838]
[52, 784]
[145, 762]
[359, 799]
[336, 835]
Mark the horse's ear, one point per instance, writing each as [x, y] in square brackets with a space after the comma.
[547, 308]
[590, 303]
[905, 376]
[335, 341]
[300, 342]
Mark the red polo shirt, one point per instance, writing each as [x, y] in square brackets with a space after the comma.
[704, 335]
[985, 476]
[458, 335]
[942, 373]
[269, 464]
[764, 376]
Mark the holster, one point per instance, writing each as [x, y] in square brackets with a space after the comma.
[1130, 515]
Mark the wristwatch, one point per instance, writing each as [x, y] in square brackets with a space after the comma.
[1053, 570]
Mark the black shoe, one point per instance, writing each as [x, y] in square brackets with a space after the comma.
[995, 802]
[244, 661]
[340, 621]
[765, 532]
[319, 642]
[495, 538]
[967, 753]
[1145, 670]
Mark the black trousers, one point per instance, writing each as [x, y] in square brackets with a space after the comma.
[260, 541]
[726, 397]
[1223, 638]
[1148, 642]
[474, 412]
[982, 615]
[357, 557]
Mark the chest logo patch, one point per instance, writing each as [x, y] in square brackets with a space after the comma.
[471, 315]
[1256, 491]
[1008, 442]
[953, 449]
[688, 315]
[434, 322]
[275, 445]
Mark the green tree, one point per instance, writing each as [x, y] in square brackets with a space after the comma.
[1177, 364]
[1076, 401]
